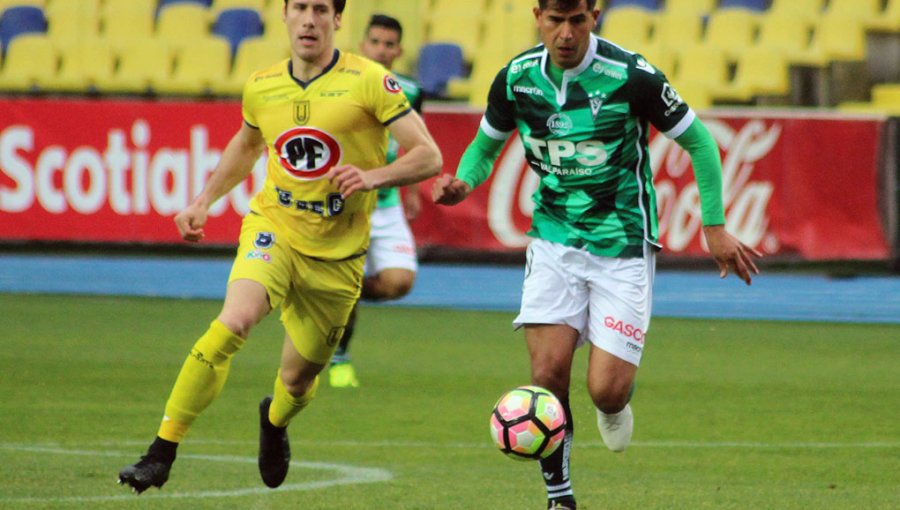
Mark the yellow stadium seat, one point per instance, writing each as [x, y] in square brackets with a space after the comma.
[677, 32]
[83, 65]
[864, 10]
[759, 72]
[839, 39]
[111, 9]
[197, 67]
[30, 59]
[252, 55]
[4, 4]
[702, 66]
[143, 64]
[694, 7]
[121, 28]
[73, 21]
[886, 94]
[629, 27]
[732, 30]
[808, 10]
[182, 23]
[888, 20]
[696, 95]
[460, 27]
[786, 34]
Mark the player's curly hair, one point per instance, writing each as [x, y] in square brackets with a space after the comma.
[565, 5]
[338, 5]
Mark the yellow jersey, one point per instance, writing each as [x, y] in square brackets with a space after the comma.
[339, 117]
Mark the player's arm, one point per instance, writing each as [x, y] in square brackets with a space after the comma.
[235, 165]
[727, 251]
[477, 161]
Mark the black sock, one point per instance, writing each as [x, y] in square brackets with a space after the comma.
[555, 468]
[340, 354]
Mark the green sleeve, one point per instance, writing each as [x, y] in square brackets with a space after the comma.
[478, 160]
[704, 152]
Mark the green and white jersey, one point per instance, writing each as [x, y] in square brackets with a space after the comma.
[587, 141]
[388, 197]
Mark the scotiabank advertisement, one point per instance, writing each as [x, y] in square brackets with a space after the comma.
[118, 171]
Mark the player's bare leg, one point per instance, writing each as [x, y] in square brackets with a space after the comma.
[610, 383]
[199, 382]
[552, 347]
[295, 387]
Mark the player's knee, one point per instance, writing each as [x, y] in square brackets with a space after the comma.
[389, 284]
[239, 322]
[551, 377]
[298, 382]
[610, 396]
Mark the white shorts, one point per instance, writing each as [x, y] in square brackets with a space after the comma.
[392, 245]
[607, 300]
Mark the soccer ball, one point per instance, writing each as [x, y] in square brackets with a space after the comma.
[528, 423]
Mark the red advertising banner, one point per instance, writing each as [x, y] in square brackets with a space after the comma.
[118, 171]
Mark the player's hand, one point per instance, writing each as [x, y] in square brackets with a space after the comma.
[190, 223]
[349, 179]
[448, 190]
[731, 254]
[412, 202]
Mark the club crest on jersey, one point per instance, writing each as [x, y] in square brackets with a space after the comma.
[307, 153]
[301, 112]
[264, 240]
[560, 124]
[391, 85]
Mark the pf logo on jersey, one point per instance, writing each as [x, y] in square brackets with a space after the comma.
[391, 85]
[307, 153]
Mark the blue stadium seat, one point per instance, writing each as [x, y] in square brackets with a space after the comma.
[237, 24]
[438, 62]
[163, 3]
[650, 5]
[755, 5]
[19, 20]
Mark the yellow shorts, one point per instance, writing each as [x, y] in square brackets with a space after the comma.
[315, 296]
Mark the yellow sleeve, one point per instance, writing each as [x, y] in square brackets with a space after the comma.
[385, 95]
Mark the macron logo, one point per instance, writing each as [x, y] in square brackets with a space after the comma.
[531, 91]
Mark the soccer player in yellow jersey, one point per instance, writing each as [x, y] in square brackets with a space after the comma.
[323, 116]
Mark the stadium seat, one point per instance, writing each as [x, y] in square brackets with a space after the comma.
[143, 63]
[460, 26]
[788, 35]
[18, 20]
[838, 38]
[649, 5]
[676, 32]
[218, 6]
[111, 9]
[864, 10]
[629, 27]
[699, 7]
[235, 25]
[165, 3]
[73, 21]
[888, 20]
[182, 23]
[886, 94]
[696, 95]
[438, 63]
[731, 30]
[252, 55]
[759, 72]
[753, 5]
[83, 65]
[5, 4]
[809, 10]
[197, 67]
[122, 27]
[701, 66]
[30, 59]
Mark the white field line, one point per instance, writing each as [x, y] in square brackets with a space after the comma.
[344, 475]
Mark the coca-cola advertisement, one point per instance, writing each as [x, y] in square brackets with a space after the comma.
[116, 172]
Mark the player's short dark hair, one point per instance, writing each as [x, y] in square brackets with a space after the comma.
[565, 5]
[385, 21]
[338, 5]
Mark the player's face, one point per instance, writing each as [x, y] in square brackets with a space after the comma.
[566, 34]
[381, 45]
[311, 25]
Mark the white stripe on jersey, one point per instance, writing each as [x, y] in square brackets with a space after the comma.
[682, 125]
[493, 132]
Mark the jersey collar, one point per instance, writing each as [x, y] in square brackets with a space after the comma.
[304, 84]
[568, 73]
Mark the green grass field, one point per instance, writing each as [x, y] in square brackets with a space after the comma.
[729, 415]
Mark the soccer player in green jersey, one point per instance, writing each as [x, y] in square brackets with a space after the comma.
[391, 263]
[582, 106]
[323, 116]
